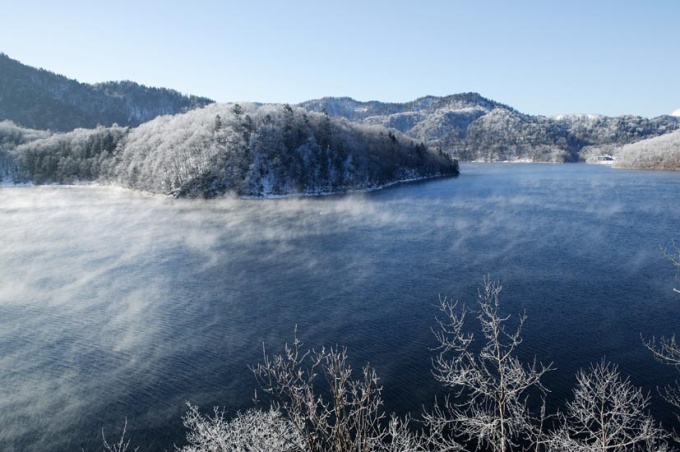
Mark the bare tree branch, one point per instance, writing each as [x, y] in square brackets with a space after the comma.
[122, 445]
[336, 412]
[254, 431]
[607, 413]
[491, 387]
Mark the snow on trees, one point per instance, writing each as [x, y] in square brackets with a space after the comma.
[248, 150]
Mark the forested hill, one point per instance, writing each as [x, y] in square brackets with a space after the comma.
[472, 127]
[39, 99]
[249, 150]
[654, 153]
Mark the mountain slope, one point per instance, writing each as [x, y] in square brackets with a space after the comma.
[39, 99]
[472, 127]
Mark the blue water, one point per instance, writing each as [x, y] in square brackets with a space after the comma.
[115, 305]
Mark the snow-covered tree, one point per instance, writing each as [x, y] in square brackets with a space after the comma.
[608, 413]
[491, 385]
[345, 416]
[80, 155]
[254, 431]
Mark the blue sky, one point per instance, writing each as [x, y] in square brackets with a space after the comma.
[541, 57]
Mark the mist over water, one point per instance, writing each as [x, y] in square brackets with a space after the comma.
[115, 304]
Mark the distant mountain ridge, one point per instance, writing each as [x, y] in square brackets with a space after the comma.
[39, 99]
[358, 111]
[472, 127]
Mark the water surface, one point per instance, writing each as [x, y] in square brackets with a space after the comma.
[115, 304]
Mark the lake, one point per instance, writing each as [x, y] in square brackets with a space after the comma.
[118, 305]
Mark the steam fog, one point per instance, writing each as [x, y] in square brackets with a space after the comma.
[115, 304]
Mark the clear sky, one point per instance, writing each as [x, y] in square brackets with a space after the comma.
[609, 57]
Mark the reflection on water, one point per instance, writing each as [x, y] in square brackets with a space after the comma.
[118, 305]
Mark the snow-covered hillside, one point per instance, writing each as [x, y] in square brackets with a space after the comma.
[654, 153]
[471, 127]
[249, 150]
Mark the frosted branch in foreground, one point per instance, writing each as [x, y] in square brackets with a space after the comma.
[491, 385]
[608, 413]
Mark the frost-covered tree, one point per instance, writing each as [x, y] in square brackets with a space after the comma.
[11, 136]
[80, 155]
[258, 430]
[328, 407]
[608, 413]
[491, 385]
[667, 351]
[122, 445]
[254, 431]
